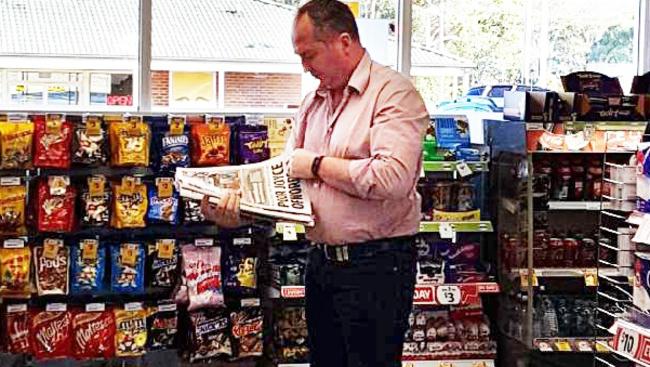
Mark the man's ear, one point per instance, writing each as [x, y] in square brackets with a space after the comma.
[346, 41]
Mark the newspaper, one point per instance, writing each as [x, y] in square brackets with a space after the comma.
[267, 190]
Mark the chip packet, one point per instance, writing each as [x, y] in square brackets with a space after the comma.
[171, 143]
[162, 325]
[15, 266]
[51, 264]
[163, 202]
[95, 202]
[202, 271]
[162, 260]
[12, 209]
[16, 144]
[90, 143]
[17, 329]
[93, 334]
[247, 327]
[88, 266]
[130, 333]
[209, 335]
[127, 268]
[52, 141]
[129, 142]
[50, 334]
[211, 142]
[252, 144]
[129, 204]
[56, 205]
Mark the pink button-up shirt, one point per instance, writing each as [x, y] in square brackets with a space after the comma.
[379, 125]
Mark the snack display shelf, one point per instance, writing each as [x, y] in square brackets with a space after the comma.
[570, 345]
[425, 294]
[425, 227]
[451, 166]
[81, 171]
[567, 272]
[575, 205]
[451, 363]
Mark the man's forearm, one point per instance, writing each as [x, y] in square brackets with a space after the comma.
[335, 172]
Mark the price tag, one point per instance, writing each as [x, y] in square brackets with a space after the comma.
[133, 306]
[250, 302]
[463, 169]
[93, 125]
[96, 186]
[245, 241]
[214, 121]
[14, 243]
[544, 347]
[89, 249]
[591, 278]
[95, 307]
[56, 307]
[51, 248]
[627, 341]
[448, 295]
[177, 125]
[21, 307]
[129, 254]
[9, 181]
[203, 242]
[446, 230]
[563, 346]
[584, 346]
[523, 274]
[289, 232]
[165, 186]
[167, 307]
[128, 185]
[53, 124]
[165, 248]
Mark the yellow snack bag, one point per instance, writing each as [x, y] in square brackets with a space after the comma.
[16, 144]
[14, 266]
[12, 210]
[130, 333]
[129, 143]
[130, 205]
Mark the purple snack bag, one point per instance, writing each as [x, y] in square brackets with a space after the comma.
[253, 144]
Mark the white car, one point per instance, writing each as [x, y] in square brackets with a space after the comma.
[496, 91]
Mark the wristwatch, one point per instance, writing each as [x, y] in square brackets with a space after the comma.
[315, 165]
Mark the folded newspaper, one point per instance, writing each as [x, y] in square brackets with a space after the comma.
[267, 190]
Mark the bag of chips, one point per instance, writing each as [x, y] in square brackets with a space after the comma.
[192, 212]
[162, 262]
[211, 142]
[209, 336]
[16, 144]
[240, 273]
[130, 333]
[50, 334]
[162, 325]
[127, 268]
[202, 271]
[171, 143]
[252, 144]
[17, 329]
[279, 130]
[89, 144]
[51, 263]
[129, 204]
[247, 326]
[52, 138]
[56, 204]
[96, 201]
[12, 210]
[88, 266]
[163, 202]
[129, 143]
[93, 335]
[15, 269]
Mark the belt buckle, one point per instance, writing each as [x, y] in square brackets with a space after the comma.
[342, 254]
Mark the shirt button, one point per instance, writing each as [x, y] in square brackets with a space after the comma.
[315, 185]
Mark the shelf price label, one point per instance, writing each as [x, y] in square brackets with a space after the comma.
[591, 278]
[448, 295]
[563, 346]
[627, 341]
[523, 274]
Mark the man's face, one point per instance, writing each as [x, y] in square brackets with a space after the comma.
[323, 58]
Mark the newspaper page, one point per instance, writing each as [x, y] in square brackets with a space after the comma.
[266, 188]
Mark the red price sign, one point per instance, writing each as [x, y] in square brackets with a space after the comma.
[627, 341]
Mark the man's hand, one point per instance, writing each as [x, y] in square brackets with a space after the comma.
[301, 161]
[226, 213]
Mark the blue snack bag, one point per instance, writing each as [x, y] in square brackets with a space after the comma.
[163, 202]
[88, 266]
[127, 268]
[174, 144]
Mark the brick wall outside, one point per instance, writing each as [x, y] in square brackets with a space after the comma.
[160, 88]
[271, 90]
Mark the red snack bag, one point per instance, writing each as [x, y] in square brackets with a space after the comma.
[52, 141]
[17, 329]
[93, 335]
[50, 334]
[211, 142]
[56, 204]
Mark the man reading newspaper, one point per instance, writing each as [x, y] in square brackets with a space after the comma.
[357, 146]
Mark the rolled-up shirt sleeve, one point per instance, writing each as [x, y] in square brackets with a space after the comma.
[392, 169]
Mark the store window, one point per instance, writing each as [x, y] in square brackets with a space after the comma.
[193, 89]
[43, 87]
[111, 89]
[465, 48]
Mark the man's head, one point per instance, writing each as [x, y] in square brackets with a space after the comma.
[326, 38]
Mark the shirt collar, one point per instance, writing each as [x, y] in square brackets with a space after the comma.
[358, 80]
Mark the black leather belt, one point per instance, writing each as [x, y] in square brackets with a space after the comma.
[346, 253]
